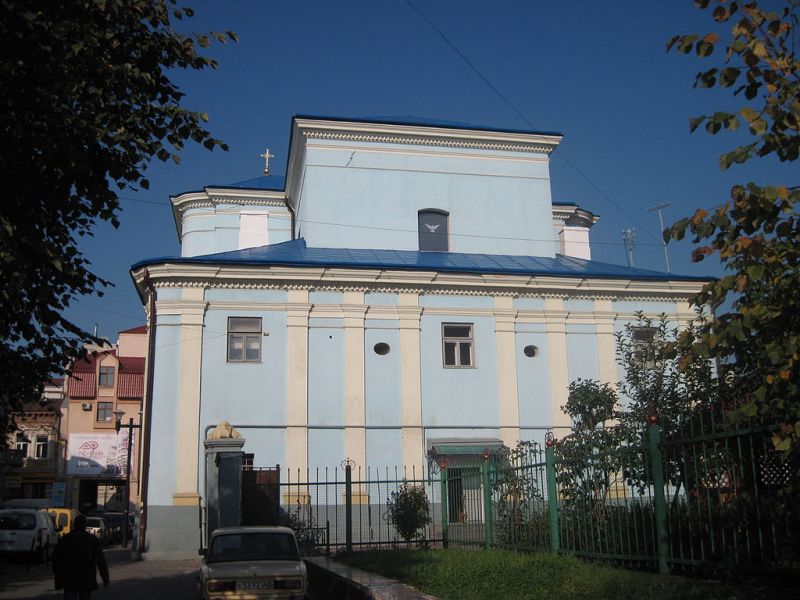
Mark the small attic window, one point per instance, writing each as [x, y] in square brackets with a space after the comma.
[433, 229]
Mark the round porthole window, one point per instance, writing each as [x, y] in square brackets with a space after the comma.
[530, 351]
[381, 348]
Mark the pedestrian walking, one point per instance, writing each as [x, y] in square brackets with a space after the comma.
[76, 560]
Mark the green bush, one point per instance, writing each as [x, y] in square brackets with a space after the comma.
[409, 511]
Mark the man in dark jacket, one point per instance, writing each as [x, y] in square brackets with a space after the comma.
[76, 559]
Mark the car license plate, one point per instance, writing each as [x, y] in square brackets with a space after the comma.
[242, 586]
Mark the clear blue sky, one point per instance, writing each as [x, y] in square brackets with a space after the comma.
[595, 71]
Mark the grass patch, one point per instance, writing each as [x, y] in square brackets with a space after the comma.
[497, 574]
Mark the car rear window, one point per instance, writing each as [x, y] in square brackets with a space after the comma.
[17, 521]
[253, 546]
[94, 522]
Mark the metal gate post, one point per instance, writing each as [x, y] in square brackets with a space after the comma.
[657, 468]
[444, 501]
[487, 503]
[552, 492]
[348, 507]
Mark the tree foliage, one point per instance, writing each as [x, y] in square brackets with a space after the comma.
[409, 511]
[756, 233]
[609, 438]
[86, 103]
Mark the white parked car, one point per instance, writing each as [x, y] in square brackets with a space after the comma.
[253, 562]
[98, 528]
[27, 531]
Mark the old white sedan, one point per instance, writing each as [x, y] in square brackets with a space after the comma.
[249, 563]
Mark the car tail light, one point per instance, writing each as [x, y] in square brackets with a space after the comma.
[214, 585]
[288, 584]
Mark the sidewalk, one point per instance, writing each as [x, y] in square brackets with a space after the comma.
[130, 580]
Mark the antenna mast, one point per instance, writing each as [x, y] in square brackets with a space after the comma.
[659, 208]
[628, 236]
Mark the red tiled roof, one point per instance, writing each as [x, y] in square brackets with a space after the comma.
[131, 364]
[84, 364]
[82, 384]
[130, 385]
[139, 329]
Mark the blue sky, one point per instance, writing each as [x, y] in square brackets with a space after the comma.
[595, 71]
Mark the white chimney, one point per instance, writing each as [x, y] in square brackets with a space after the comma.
[573, 235]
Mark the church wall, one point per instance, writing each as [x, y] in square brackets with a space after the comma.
[249, 394]
[582, 352]
[458, 396]
[165, 411]
[382, 376]
[491, 197]
[533, 382]
[326, 374]
[208, 230]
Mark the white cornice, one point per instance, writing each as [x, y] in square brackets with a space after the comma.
[563, 213]
[423, 135]
[373, 280]
[212, 196]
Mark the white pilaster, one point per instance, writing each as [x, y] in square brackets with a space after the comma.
[411, 381]
[507, 396]
[297, 309]
[355, 438]
[187, 429]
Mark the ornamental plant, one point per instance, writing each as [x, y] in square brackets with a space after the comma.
[409, 511]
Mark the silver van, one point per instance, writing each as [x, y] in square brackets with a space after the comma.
[27, 531]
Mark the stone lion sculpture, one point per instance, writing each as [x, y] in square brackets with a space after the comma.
[224, 431]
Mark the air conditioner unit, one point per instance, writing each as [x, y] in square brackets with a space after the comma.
[86, 406]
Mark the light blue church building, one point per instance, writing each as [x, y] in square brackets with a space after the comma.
[406, 287]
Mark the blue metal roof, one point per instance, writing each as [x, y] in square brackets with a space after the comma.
[273, 182]
[296, 253]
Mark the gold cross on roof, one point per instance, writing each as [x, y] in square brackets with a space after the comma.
[266, 156]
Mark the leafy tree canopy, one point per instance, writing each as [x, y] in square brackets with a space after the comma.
[756, 233]
[86, 103]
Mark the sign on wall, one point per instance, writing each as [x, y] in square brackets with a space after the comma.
[59, 493]
[99, 453]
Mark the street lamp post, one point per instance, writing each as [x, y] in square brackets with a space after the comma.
[130, 426]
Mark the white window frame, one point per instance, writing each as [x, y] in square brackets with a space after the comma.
[22, 443]
[253, 335]
[458, 342]
[42, 447]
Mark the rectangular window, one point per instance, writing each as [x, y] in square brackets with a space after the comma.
[42, 446]
[105, 412]
[247, 462]
[645, 340]
[22, 443]
[244, 339]
[457, 345]
[107, 376]
[433, 230]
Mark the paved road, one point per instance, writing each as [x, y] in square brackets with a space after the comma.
[130, 580]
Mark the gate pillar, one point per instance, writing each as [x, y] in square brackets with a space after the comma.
[223, 479]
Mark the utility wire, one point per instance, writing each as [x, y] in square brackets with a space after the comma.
[414, 231]
[521, 115]
[464, 235]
